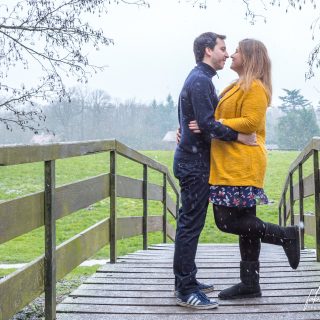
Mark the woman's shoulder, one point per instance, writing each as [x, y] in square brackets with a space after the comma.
[258, 86]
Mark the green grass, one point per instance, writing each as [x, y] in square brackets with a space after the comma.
[16, 181]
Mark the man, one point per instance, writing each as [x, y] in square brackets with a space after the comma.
[191, 164]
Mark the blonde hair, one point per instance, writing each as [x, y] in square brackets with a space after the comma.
[256, 65]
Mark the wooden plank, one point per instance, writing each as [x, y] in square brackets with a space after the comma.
[194, 316]
[138, 157]
[132, 226]
[164, 287]
[171, 232]
[225, 280]
[218, 264]
[50, 240]
[164, 207]
[308, 187]
[170, 301]
[145, 191]
[291, 200]
[132, 188]
[301, 205]
[127, 274]
[18, 154]
[113, 206]
[141, 284]
[235, 259]
[81, 247]
[169, 293]
[309, 223]
[162, 267]
[68, 199]
[235, 309]
[305, 153]
[26, 284]
[317, 199]
[154, 223]
[217, 253]
[173, 185]
[21, 287]
[171, 206]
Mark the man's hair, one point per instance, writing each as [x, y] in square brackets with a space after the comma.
[205, 40]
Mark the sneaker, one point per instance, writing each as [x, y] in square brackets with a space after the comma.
[205, 288]
[196, 300]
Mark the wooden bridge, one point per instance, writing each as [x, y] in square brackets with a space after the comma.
[140, 285]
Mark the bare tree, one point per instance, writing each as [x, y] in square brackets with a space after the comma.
[253, 16]
[52, 34]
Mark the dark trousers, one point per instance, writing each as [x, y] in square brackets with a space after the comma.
[193, 180]
[244, 223]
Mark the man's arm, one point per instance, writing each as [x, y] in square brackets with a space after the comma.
[248, 139]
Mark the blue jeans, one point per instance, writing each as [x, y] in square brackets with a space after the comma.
[193, 179]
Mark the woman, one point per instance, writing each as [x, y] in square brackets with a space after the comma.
[237, 171]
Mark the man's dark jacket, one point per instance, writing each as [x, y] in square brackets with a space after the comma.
[197, 101]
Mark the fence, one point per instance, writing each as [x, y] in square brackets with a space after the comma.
[24, 214]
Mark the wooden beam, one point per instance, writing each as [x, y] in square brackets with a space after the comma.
[30, 209]
[18, 154]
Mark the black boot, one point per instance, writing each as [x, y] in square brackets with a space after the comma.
[248, 287]
[288, 238]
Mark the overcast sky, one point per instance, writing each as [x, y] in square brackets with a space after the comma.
[153, 54]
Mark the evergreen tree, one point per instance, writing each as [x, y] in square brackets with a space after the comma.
[298, 124]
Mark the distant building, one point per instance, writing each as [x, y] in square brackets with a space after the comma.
[170, 140]
[272, 147]
[43, 138]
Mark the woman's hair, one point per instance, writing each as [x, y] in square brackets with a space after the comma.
[256, 65]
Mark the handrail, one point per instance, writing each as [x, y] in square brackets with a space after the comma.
[44, 208]
[308, 186]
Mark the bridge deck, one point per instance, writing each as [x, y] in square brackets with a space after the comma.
[140, 286]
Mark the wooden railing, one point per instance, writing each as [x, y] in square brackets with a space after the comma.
[305, 187]
[24, 214]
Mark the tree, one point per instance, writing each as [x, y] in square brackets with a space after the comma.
[252, 15]
[298, 124]
[293, 101]
[54, 35]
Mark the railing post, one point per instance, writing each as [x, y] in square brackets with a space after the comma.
[145, 207]
[301, 207]
[291, 199]
[317, 199]
[113, 206]
[285, 208]
[177, 206]
[280, 218]
[50, 241]
[164, 200]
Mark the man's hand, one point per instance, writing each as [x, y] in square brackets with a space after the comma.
[193, 126]
[248, 139]
[178, 135]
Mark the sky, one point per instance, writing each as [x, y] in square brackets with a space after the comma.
[152, 52]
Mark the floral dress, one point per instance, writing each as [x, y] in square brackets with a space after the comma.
[233, 196]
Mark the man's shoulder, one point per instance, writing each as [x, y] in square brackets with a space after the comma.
[198, 76]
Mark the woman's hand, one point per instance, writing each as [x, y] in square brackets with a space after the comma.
[193, 126]
[178, 136]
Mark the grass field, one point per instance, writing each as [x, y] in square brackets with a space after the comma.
[16, 181]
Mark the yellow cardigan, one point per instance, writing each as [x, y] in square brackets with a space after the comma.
[233, 163]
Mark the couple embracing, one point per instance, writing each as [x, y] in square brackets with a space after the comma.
[221, 158]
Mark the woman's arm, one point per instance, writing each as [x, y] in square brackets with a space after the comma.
[254, 107]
